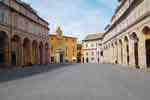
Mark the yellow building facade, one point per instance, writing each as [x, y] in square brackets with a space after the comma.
[62, 48]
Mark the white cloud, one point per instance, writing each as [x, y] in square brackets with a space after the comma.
[77, 17]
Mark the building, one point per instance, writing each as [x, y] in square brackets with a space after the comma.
[79, 53]
[63, 48]
[92, 48]
[23, 34]
[127, 37]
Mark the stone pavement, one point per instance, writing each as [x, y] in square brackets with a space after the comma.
[80, 82]
[21, 72]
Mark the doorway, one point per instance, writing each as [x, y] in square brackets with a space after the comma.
[136, 54]
[148, 52]
[3, 47]
[87, 60]
[61, 58]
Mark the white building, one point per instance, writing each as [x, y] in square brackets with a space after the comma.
[92, 48]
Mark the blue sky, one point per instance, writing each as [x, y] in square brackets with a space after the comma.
[76, 17]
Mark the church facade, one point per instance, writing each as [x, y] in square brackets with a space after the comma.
[63, 49]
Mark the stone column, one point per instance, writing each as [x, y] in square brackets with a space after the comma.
[8, 53]
[21, 53]
[142, 53]
[131, 53]
[30, 54]
[124, 53]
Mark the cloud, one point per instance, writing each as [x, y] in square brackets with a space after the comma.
[77, 17]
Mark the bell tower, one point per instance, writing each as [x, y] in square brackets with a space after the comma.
[59, 31]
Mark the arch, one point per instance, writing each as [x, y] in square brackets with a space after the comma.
[87, 60]
[134, 37]
[112, 45]
[147, 44]
[16, 50]
[126, 39]
[46, 53]
[27, 51]
[127, 49]
[146, 32]
[41, 53]
[4, 46]
[34, 52]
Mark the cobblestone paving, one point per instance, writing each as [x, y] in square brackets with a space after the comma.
[80, 82]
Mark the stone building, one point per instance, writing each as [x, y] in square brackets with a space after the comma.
[63, 49]
[92, 48]
[127, 37]
[23, 34]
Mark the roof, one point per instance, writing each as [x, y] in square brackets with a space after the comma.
[94, 36]
[63, 36]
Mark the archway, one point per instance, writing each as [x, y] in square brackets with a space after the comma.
[41, 53]
[127, 49]
[27, 51]
[16, 50]
[146, 31]
[87, 60]
[83, 60]
[46, 53]
[148, 52]
[34, 52]
[135, 39]
[4, 45]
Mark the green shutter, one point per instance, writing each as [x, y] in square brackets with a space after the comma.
[2, 17]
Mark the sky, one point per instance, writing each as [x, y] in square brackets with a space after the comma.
[76, 17]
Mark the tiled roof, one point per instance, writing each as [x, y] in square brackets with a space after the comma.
[94, 36]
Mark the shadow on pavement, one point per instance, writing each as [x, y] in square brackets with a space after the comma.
[28, 71]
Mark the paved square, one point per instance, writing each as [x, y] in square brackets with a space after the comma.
[80, 82]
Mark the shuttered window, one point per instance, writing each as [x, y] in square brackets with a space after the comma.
[2, 18]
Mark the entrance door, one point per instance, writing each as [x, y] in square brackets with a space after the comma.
[61, 58]
[87, 60]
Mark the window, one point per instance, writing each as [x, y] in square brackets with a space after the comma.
[92, 58]
[86, 45]
[87, 54]
[73, 51]
[66, 51]
[101, 53]
[2, 16]
[92, 45]
[92, 53]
